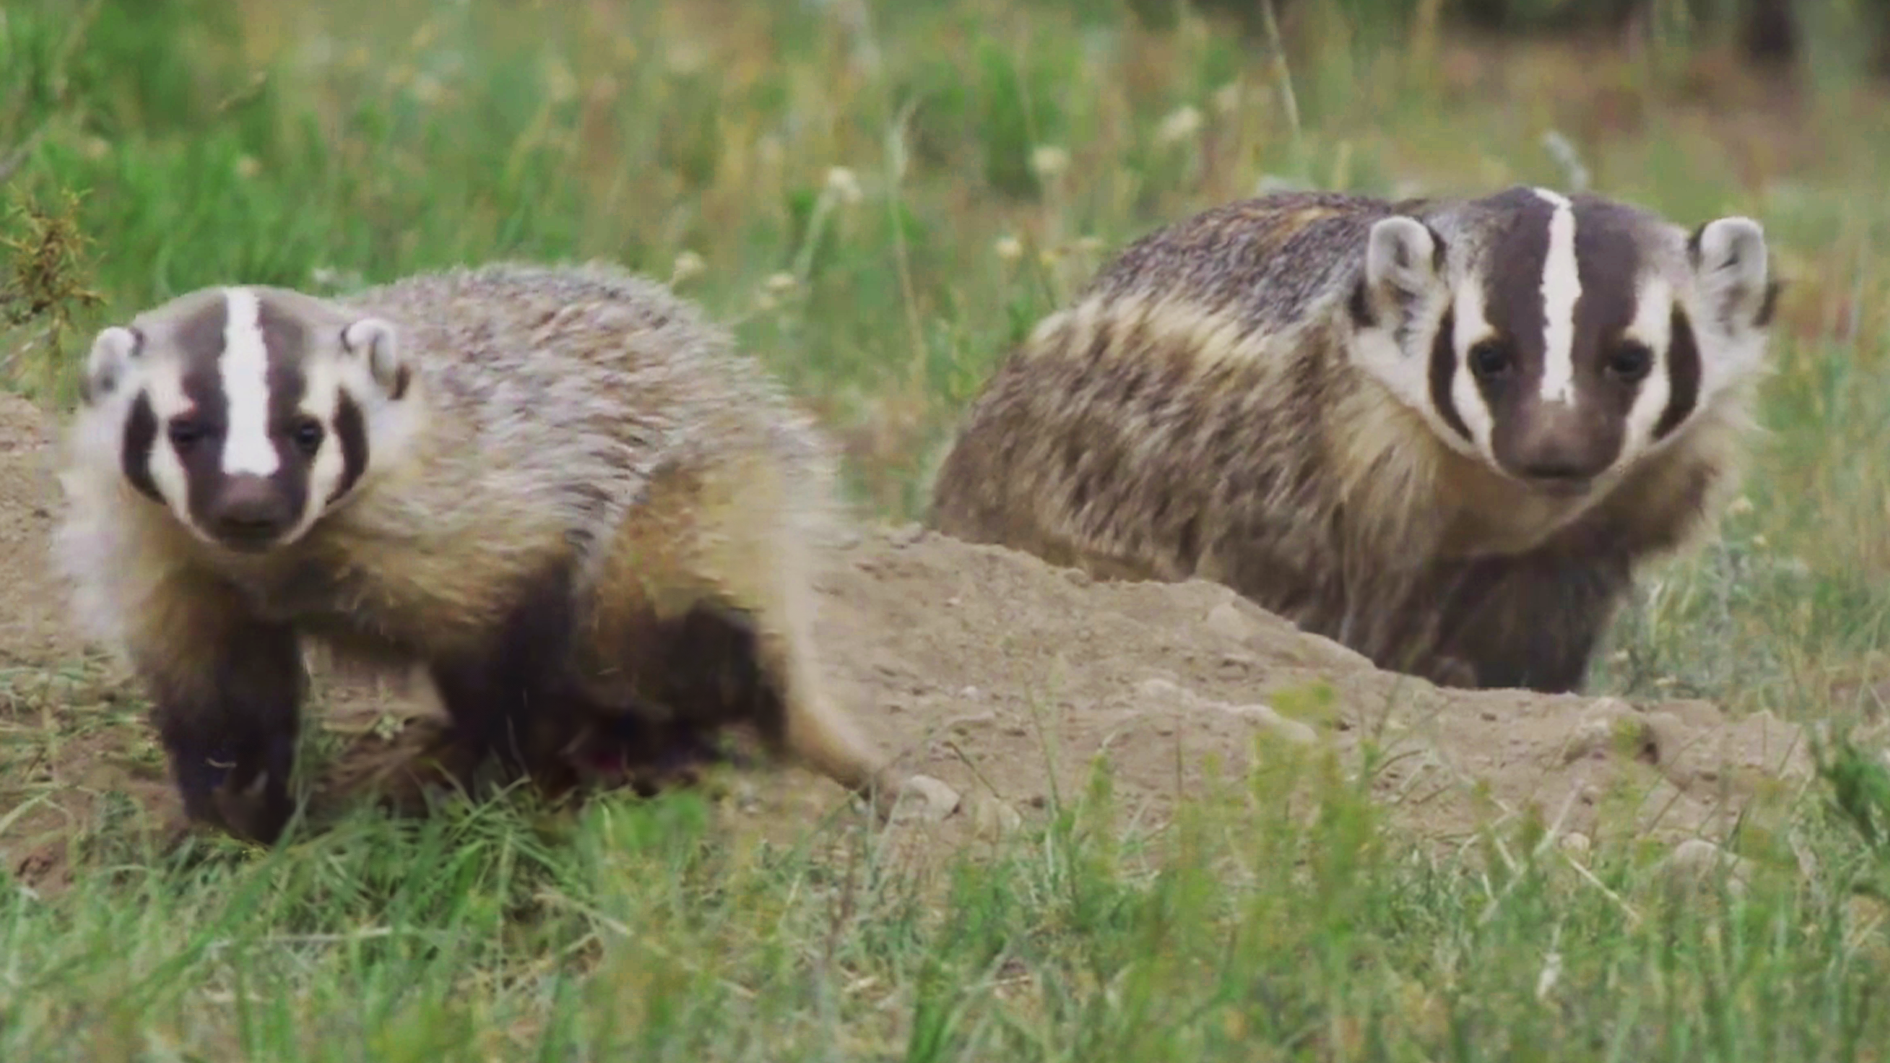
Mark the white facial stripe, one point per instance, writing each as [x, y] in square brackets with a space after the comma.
[1652, 326]
[244, 368]
[1561, 287]
[1472, 323]
[321, 394]
[165, 391]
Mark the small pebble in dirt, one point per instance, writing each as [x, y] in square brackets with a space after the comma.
[993, 818]
[1227, 620]
[906, 534]
[1163, 688]
[1077, 576]
[927, 798]
[1295, 731]
[1694, 860]
[1170, 695]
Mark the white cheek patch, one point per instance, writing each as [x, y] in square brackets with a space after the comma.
[1653, 327]
[99, 426]
[321, 396]
[1400, 271]
[1561, 287]
[1472, 325]
[244, 368]
[165, 392]
[1401, 372]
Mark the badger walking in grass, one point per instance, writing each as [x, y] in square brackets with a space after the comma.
[1443, 432]
[555, 490]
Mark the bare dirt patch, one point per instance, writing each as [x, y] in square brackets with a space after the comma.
[32, 624]
[998, 675]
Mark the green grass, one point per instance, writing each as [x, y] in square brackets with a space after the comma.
[880, 204]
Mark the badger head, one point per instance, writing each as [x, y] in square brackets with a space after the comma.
[247, 411]
[1557, 339]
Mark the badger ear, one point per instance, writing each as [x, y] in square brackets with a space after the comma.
[1404, 259]
[112, 352]
[375, 340]
[1732, 273]
[1404, 272]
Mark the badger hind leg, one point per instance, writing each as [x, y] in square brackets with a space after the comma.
[645, 747]
[703, 604]
[729, 663]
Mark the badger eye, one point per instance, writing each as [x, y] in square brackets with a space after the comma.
[1490, 360]
[1630, 362]
[185, 434]
[308, 435]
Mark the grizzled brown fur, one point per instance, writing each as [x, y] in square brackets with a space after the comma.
[1194, 414]
[558, 492]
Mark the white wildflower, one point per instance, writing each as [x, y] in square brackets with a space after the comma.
[1049, 161]
[688, 266]
[1009, 248]
[560, 84]
[1551, 974]
[1181, 124]
[1270, 183]
[685, 57]
[843, 185]
[335, 279]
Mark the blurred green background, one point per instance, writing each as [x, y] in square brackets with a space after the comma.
[880, 198]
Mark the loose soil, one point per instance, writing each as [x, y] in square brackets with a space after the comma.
[986, 670]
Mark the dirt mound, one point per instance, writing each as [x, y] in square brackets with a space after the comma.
[1001, 673]
[1003, 678]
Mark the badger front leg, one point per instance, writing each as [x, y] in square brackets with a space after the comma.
[1532, 622]
[227, 693]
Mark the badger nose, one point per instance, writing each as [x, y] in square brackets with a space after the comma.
[249, 512]
[1557, 449]
[1557, 467]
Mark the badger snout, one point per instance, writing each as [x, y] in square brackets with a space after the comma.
[250, 513]
[1566, 466]
[1558, 450]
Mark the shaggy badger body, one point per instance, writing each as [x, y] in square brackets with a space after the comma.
[1442, 432]
[555, 490]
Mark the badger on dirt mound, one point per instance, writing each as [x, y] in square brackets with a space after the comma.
[1443, 432]
[555, 490]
